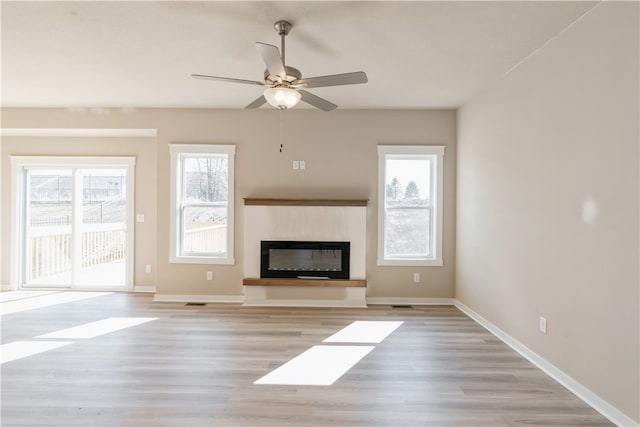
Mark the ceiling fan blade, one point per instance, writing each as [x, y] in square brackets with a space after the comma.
[227, 79]
[257, 103]
[355, 78]
[271, 57]
[316, 101]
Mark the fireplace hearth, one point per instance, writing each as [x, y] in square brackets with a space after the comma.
[304, 259]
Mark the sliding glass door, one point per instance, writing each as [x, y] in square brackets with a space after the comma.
[75, 221]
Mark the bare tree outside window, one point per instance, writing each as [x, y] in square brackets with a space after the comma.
[206, 179]
[204, 212]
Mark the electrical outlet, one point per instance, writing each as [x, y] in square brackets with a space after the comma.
[542, 325]
[416, 277]
[139, 217]
[302, 164]
[147, 268]
[295, 165]
[209, 275]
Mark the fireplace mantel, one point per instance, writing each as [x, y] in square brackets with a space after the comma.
[305, 202]
[340, 283]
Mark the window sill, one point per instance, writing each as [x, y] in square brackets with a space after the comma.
[411, 262]
[201, 260]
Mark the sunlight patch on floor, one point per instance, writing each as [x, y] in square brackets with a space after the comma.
[320, 365]
[100, 327]
[15, 295]
[20, 349]
[24, 304]
[363, 331]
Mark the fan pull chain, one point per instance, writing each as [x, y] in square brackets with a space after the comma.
[281, 133]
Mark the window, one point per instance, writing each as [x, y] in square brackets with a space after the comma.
[410, 205]
[202, 203]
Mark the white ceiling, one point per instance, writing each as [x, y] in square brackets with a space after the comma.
[141, 54]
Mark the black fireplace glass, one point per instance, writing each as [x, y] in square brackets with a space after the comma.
[285, 259]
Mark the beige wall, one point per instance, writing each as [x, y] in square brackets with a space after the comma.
[144, 149]
[548, 203]
[341, 162]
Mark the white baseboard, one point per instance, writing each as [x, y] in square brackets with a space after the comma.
[239, 299]
[232, 299]
[145, 289]
[596, 402]
[409, 301]
[5, 287]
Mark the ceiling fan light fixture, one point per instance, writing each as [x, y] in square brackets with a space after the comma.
[282, 97]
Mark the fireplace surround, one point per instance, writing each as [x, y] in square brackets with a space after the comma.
[305, 220]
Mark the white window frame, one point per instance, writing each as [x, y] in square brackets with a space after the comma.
[18, 196]
[177, 151]
[437, 152]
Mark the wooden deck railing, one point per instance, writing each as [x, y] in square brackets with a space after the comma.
[49, 247]
[210, 239]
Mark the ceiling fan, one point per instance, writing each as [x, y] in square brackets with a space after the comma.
[284, 84]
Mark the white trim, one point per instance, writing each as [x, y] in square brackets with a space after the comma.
[72, 161]
[438, 211]
[144, 289]
[174, 259]
[130, 225]
[410, 262]
[16, 253]
[173, 211]
[203, 148]
[409, 301]
[412, 149]
[590, 398]
[80, 132]
[5, 287]
[78, 288]
[175, 150]
[232, 299]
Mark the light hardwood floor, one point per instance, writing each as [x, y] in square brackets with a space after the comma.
[195, 366]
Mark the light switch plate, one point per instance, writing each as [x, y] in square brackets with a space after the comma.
[542, 326]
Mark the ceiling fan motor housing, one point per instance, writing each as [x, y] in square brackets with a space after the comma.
[293, 74]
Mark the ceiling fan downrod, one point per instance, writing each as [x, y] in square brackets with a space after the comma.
[282, 28]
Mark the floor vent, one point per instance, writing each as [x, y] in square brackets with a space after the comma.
[196, 303]
[401, 306]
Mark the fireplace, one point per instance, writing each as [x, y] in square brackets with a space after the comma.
[299, 259]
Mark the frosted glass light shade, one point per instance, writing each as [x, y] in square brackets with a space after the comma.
[282, 97]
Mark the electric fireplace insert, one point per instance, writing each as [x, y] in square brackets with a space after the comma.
[299, 259]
